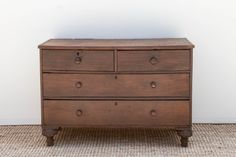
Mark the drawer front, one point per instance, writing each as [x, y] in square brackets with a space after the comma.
[78, 60]
[110, 85]
[111, 113]
[153, 60]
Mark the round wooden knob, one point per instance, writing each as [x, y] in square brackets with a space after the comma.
[153, 60]
[79, 113]
[153, 112]
[78, 84]
[78, 60]
[153, 84]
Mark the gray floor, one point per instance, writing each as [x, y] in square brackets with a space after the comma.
[207, 140]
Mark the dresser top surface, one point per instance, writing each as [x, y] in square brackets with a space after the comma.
[157, 43]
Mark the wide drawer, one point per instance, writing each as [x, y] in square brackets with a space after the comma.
[77, 60]
[110, 85]
[111, 113]
[154, 60]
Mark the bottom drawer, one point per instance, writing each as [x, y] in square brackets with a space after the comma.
[116, 113]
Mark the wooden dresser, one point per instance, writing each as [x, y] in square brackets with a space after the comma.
[116, 83]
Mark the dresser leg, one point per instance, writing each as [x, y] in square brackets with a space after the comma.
[184, 134]
[49, 133]
[50, 141]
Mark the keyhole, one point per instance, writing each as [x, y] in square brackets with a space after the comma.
[115, 77]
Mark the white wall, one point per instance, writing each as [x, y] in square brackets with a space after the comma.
[209, 24]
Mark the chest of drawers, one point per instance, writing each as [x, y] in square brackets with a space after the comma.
[116, 83]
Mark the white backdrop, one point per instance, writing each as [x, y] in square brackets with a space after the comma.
[209, 24]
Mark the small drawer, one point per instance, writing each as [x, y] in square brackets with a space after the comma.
[120, 85]
[154, 60]
[81, 60]
[116, 113]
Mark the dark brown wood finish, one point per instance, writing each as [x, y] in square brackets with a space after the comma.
[153, 60]
[66, 60]
[132, 44]
[116, 113]
[125, 85]
[116, 83]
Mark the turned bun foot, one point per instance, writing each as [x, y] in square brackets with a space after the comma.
[184, 135]
[49, 133]
[184, 141]
[50, 141]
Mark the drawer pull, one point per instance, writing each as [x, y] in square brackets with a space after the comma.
[153, 84]
[78, 84]
[153, 112]
[153, 60]
[79, 113]
[78, 60]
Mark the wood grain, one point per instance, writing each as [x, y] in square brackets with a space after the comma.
[116, 83]
[116, 113]
[158, 43]
[123, 85]
[68, 60]
[153, 60]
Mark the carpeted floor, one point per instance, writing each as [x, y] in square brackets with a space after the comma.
[207, 140]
